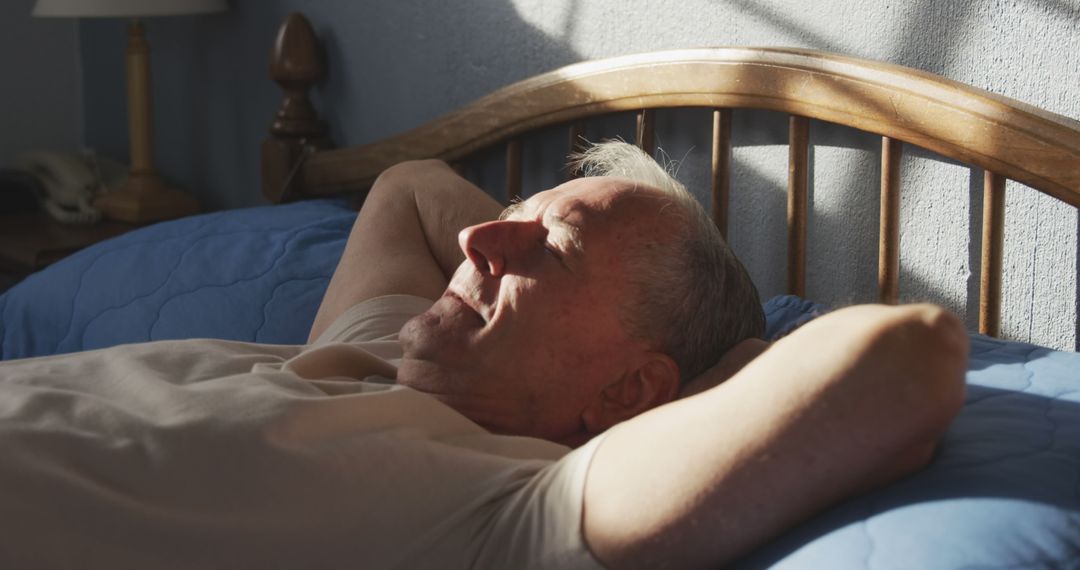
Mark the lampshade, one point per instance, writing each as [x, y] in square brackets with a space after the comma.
[124, 8]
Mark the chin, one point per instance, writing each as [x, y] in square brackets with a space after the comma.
[412, 335]
[443, 331]
[431, 348]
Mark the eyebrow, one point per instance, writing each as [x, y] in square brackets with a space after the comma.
[512, 209]
[574, 231]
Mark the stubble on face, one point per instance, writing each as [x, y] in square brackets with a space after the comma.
[502, 380]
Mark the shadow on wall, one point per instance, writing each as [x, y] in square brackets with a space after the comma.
[1061, 8]
[408, 62]
[782, 21]
[931, 37]
[392, 65]
[843, 194]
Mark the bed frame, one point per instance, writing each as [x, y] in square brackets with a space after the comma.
[1005, 138]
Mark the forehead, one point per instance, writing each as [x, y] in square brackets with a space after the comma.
[604, 215]
[599, 197]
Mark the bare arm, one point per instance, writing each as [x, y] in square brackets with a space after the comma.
[404, 240]
[852, 400]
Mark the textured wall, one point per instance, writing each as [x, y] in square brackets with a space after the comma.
[396, 64]
[40, 99]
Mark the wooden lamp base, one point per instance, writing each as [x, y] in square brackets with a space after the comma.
[144, 199]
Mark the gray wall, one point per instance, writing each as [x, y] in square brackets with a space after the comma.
[41, 99]
[396, 64]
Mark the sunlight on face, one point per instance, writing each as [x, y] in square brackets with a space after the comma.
[528, 331]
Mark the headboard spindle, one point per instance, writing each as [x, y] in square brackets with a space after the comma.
[892, 150]
[798, 191]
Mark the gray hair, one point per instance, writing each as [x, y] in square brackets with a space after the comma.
[693, 296]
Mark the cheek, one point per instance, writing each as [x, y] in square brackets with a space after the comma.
[561, 327]
[582, 342]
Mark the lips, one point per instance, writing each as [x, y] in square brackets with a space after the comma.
[464, 302]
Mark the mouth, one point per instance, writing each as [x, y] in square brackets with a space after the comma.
[464, 302]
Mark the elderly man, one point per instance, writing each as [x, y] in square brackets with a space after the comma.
[578, 308]
[574, 320]
[591, 303]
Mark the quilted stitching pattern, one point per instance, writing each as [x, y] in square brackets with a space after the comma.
[256, 275]
[1003, 491]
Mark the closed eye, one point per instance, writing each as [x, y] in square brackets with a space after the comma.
[554, 252]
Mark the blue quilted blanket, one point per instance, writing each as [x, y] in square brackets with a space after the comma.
[255, 275]
[1003, 492]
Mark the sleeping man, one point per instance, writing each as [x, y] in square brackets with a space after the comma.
[573, 382]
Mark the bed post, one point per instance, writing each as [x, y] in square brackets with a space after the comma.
[296, 64]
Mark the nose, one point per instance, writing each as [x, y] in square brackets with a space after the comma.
[491, 245]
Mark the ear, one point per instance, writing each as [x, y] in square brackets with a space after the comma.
[652, 382]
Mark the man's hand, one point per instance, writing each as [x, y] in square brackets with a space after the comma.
[852, 400]
[404, 240]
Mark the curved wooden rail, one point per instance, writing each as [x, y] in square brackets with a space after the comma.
[1013, 139]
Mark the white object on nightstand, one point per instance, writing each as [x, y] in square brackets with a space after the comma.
[145, 197]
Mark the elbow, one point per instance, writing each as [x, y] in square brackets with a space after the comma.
[400, 182]
[397, 185]
[947, 346]
[930, 344]
[918, 359]
[909, 362]
[410, 170]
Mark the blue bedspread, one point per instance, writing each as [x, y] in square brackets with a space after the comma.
[1003, 492]
[256, 274]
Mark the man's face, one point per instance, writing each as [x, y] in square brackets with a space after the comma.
[528, 332]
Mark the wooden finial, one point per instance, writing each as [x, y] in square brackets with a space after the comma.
[296, 64]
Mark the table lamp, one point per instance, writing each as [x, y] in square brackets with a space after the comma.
[145, 197]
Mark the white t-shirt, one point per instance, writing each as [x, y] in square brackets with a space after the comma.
[219, 454]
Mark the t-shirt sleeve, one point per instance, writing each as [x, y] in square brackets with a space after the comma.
[540, 525]
[375, 319]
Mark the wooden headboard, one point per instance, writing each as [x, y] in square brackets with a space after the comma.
[1005, 138]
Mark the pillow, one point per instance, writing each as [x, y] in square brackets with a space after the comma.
[256, 274]
[1003, 490]
[786, 313]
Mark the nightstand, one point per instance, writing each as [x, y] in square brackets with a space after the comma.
[31, 241]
